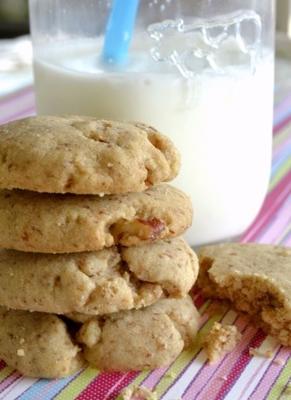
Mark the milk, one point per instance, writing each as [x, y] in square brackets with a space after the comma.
[220, 121]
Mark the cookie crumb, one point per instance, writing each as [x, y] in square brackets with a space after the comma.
[260, 353]
[20, 353]
[90, 333]
[288, 388]
[138, 393]
[126, 393]
[220, 340]
[269, 353]
[223, 378]
[278, 361]
[22, 340]
[170, 375]
[109, 165]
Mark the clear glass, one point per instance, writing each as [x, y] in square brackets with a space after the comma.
[199, 71]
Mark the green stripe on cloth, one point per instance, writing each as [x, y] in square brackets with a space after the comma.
[5, 372]
[282, 171]
[280, 383]
[281, 136]
[76, 386]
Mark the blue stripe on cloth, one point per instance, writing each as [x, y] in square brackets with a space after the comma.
[40, 391]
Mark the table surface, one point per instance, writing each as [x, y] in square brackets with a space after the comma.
[238, 375]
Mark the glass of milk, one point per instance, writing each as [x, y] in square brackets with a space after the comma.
[199, 71]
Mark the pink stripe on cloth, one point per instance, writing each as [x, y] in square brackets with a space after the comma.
[286, 144]
[10, 98]
[287, 239]
[199, 300]
[278, 127]
[21, 114]
[200, 386]
[15, 109]
[9, 380]
[239, 366]
[154, 378]
[125, 380]
[261, 364]
[272, 203]
[272, 373]
[277, 225]
[106, 384]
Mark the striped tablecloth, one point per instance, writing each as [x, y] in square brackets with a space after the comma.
[238, 376]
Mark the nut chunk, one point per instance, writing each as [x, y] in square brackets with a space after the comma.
[221, 340]
[141, 393]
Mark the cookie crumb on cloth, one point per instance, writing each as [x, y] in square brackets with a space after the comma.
[138, 393]
[261, 353]
[278, 361]
[220, 340]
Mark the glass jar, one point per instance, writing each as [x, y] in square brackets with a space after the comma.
[199, 71]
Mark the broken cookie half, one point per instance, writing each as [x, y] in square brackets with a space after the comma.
[256, 278]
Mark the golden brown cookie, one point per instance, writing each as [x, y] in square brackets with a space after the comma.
[38, 345]
[83, 155]
[171, 263]
[96, 283]
[148, 338]
[49, 223]
[256, 278]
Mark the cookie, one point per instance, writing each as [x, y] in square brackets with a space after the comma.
[83, 155]
[134, 340]
[171, 263]
[256, 278]
[43, 345]
[38, 345]
[96, 283]
[49, 223]
[220, 340]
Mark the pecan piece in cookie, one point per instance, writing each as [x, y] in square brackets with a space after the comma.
[131, 232]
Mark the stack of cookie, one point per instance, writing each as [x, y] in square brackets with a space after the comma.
[95, 270]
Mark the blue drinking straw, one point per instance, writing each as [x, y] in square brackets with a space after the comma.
[119, 31]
